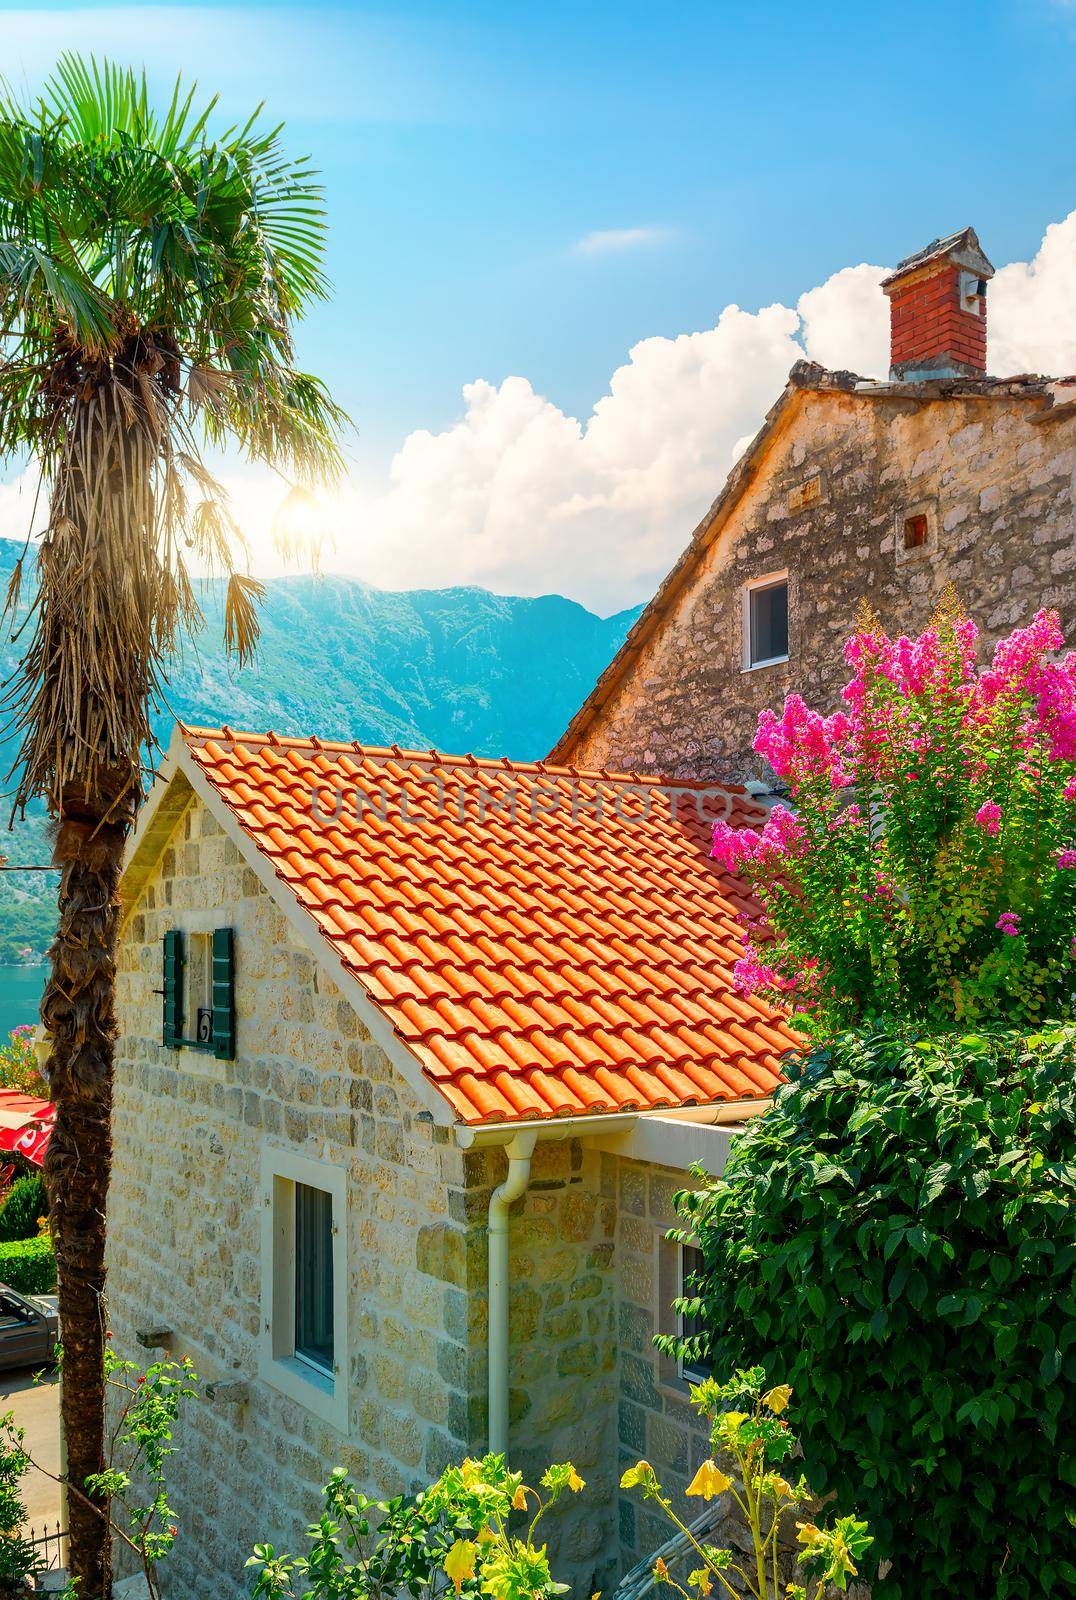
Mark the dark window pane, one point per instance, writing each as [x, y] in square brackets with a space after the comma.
[314, 1275]
[691, 1263]
[769, 622]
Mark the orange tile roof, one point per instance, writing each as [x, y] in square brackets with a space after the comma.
[575, 958]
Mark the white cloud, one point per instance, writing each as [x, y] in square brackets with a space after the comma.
[520, 496]
[609, 241]
[846, 321]
[19, 503]
[1031, 308]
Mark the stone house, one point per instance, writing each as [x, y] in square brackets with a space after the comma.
[853, 492]
[414, 1052]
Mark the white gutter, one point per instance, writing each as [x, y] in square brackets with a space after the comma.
[518, 1140]
[519, 1151]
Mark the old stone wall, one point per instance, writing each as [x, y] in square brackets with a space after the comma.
[828, 505]
[185, 1250]
[563, 1356]
[655, 1421]
[185, 1219]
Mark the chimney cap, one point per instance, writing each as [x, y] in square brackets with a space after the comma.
[962, 248]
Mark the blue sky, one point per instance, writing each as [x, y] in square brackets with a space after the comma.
[731, 153]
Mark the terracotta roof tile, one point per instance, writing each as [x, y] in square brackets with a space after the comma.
[544, 943]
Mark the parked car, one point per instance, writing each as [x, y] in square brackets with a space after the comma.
[29, 1329]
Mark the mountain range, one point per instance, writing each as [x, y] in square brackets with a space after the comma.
[457, 669]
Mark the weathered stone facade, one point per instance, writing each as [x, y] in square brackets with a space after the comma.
[185, 1254]
[833, 478]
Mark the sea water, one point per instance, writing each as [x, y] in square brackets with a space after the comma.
[20, 995]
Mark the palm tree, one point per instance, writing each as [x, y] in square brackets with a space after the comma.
[150, 279]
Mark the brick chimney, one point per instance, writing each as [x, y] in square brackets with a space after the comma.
[937, 311]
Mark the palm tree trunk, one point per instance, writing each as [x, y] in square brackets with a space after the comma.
[78, 1010]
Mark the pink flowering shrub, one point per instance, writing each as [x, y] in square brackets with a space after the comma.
[926, 865]
[18, 1063]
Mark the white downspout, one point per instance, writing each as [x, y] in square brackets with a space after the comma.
[519, 1152]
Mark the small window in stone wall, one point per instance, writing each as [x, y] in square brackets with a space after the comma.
[199, 991]
[915, 531]
[691, 1264]
[914, 534]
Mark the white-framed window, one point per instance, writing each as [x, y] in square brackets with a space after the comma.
[765, 621]
[691, 1262]
[303, 1350]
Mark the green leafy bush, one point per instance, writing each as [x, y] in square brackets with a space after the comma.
[454, 1534]
[18, 1558]
[28, 1265]
[898, 1236]
[25, 1204]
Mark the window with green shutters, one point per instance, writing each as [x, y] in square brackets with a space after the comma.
[188, 1023]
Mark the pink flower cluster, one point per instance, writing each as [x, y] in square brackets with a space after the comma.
[751, 973]
[800, 744]
[899, 691]
[934, 748]
[782, 838]
[1017, 661]
[988, 817]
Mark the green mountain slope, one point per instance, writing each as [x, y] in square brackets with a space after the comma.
[459, 669]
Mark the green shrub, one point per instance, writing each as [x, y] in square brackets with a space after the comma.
[26, 1203]
[754, 1445]
[28, 1265]
[18, 1558]
[456, 1529]
[898, 1237]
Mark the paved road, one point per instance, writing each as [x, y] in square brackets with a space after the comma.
[37, 1409]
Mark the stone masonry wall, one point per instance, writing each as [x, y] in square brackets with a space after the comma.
[998, 491]
[184, 1232]
[654, 1421]
[563, 1350]
[185, 1250]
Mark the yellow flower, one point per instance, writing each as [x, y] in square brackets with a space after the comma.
[641, 1473]
[708, 1481]
[459, 1562]
[778, 1398]
[519, 1499]
[809, 1535]
[575, 1482]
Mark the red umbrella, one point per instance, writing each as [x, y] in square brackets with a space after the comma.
[25, 1125]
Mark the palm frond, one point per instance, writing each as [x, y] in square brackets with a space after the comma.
[151, 276]
[241, 625]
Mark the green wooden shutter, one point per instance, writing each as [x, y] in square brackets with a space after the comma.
[173, 988]
[224, 993]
